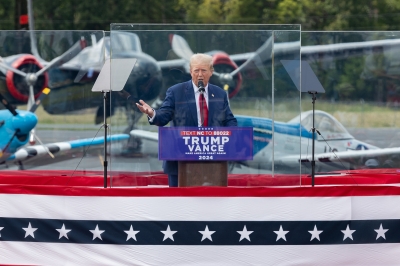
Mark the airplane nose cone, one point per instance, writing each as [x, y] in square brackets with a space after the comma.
[25, 121]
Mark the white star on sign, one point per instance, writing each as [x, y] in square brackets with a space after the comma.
[29, 231]
[168, 234]
[1, 228]
[206, 234]
[63, 232]
[244, 234]
[381, 232]
[281, 234]
[131, 234]
[97, 233]
[348, 233]
[315, 233]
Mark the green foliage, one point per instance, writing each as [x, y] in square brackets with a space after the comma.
[210, 11]
[311, 14]
[289, 12]
[7, 15]
[99, 14]
[248, 11]
[341, 79]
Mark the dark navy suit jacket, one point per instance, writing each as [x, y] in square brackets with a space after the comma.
[179, 107]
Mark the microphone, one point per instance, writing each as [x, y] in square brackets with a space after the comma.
[200, 85]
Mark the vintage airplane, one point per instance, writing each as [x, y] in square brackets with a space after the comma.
[15, 128]
[73, 75]
[227, 73]
[283, 146]
[148, 80]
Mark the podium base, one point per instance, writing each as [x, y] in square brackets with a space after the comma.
[202, 173]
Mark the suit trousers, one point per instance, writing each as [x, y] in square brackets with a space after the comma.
[173, 180]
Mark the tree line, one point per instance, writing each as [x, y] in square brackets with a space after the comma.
[311, 14]
[342, 79]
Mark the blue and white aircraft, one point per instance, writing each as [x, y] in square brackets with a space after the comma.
[285, 146]
[290, 144]
[15, 128]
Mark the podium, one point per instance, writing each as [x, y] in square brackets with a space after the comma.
[203, 153]
[202, 173]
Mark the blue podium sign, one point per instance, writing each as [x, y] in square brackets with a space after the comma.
[211, 143]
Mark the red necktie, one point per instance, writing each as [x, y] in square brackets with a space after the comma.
[203, 110]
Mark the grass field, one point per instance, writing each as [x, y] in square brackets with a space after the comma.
[350, 114]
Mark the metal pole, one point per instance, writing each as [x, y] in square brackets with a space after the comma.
[313, 137]
[32, 29]
[105, 138]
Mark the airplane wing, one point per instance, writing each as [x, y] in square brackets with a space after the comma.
[40, 150]
[152, 136]
[182, 49]
[173, 63]
[337, 157]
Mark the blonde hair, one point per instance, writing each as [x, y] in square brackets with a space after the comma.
[202, 59]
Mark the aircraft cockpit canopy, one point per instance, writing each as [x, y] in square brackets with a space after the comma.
[123, 41]
[325, 123]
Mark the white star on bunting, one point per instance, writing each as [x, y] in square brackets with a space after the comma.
[381, 232]
[131, 234]
[1, 228]
[29, 231]
[348, 233]
[97, 233]
[244, 234]
[168, 234]
[315, 233]
[281, 234]
[206, 234]
[63, 232]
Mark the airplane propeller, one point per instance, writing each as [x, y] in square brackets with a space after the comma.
[8, 106]
[32, 77]
[9, 142]
[21, 123]
[38, 101]
[182, 49]
[33, 108]
[14, 113]
[24, 122]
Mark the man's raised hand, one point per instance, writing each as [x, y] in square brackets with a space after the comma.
[145, 108]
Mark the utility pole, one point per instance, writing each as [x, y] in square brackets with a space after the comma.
[21, 19]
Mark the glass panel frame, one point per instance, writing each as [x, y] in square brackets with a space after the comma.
[358, 112]
[67, 62]
[239, 43]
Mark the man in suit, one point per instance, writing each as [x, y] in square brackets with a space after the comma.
[184, 106]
